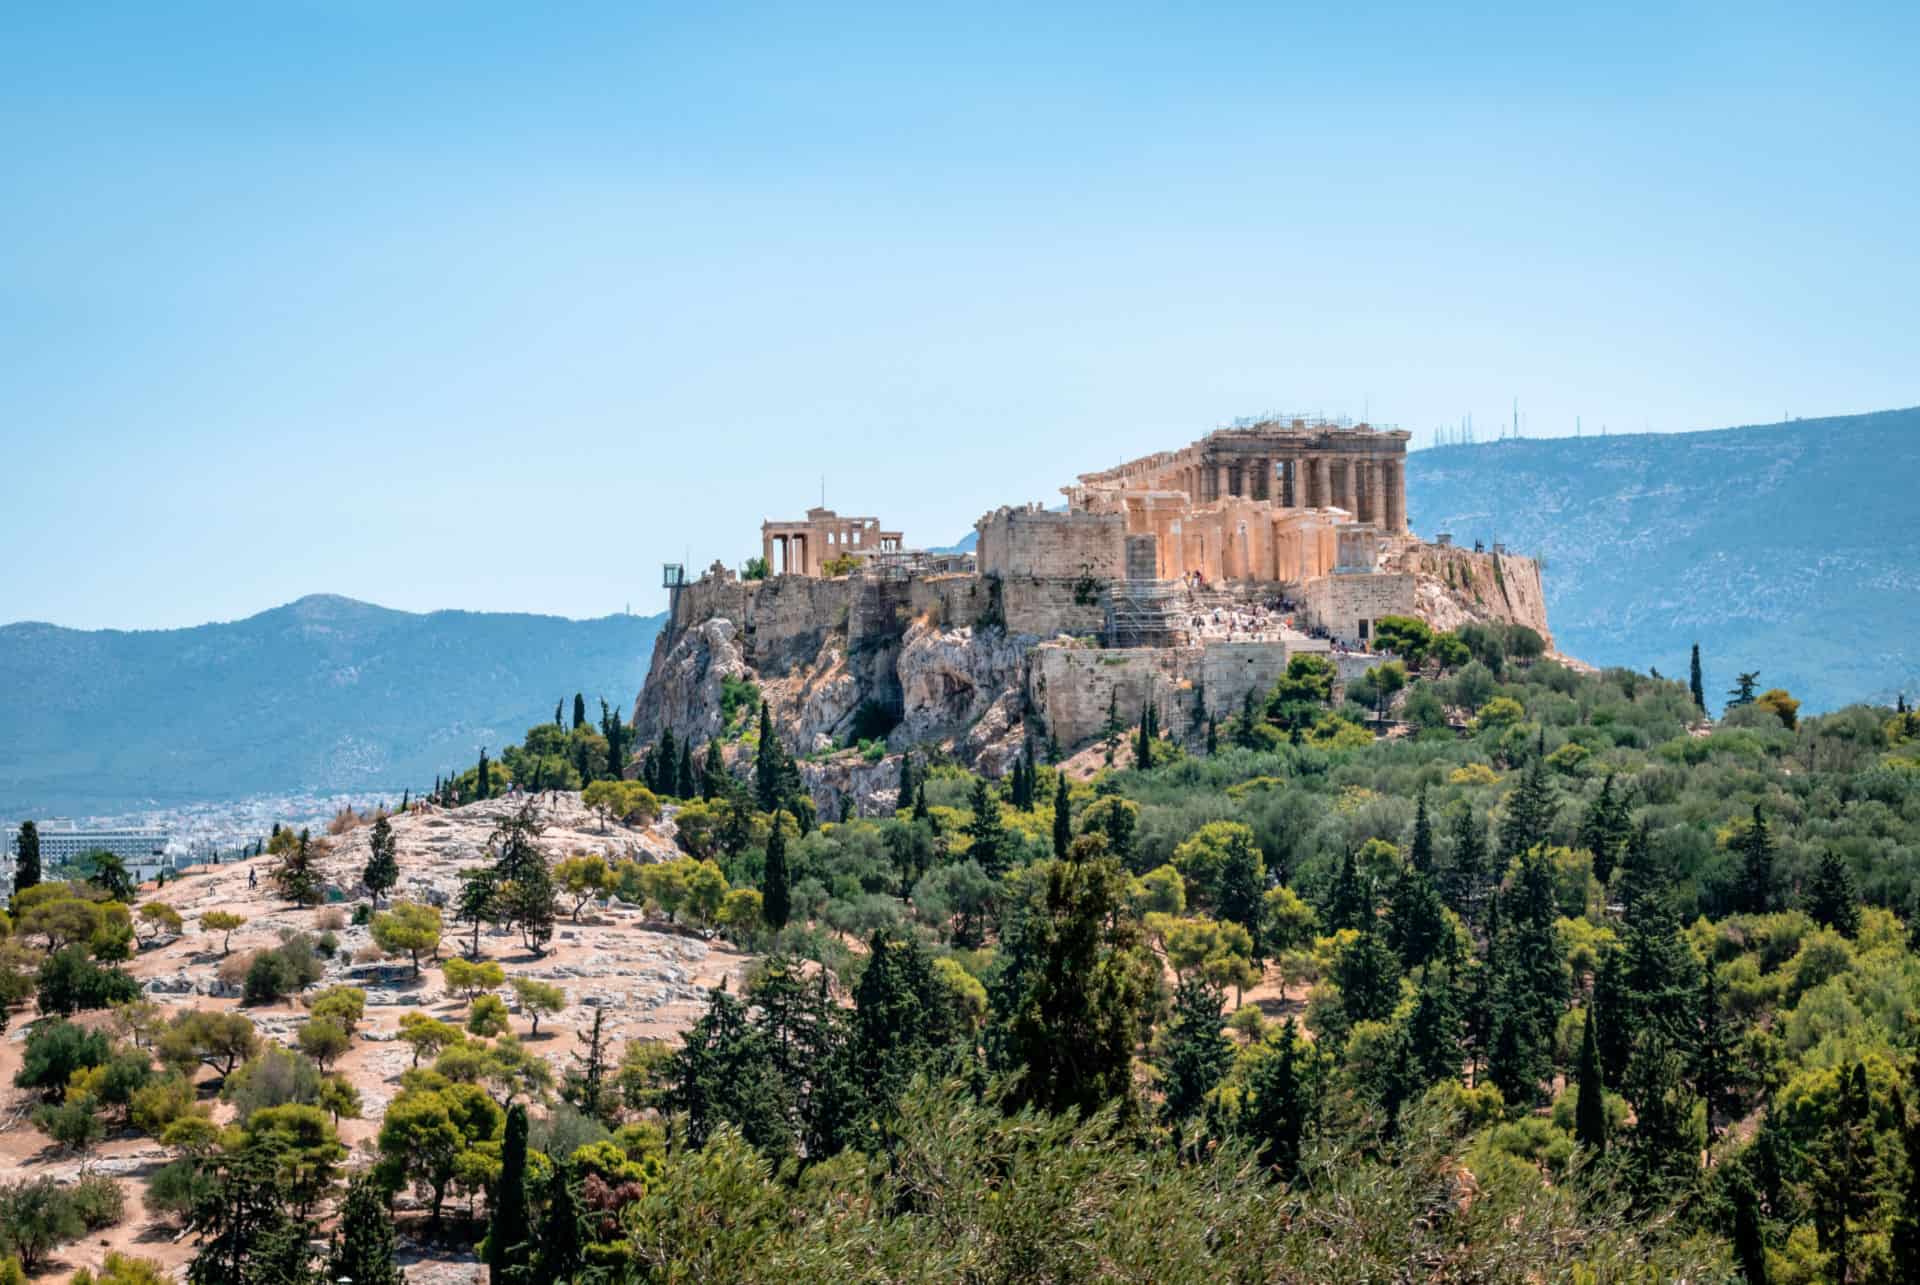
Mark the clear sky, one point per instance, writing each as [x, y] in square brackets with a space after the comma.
[498, 306]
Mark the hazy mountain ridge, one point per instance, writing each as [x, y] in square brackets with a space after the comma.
[1793, 548]
[323, 693]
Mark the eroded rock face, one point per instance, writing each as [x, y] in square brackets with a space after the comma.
[952, 678]
[683, 691]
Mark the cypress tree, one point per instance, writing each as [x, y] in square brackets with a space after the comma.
[688, 786]
[362, 1247]
[1713, 1053]
[1693, 681]
[1420, 855]
[561, 1253]
[1349, 901]
[1433, 1029]
[483, 779]
[920, 812]
[1062, 817]
[1590, 1109]
[1530, 812]
[579, 710]
[557, 707]
[668, 773]
[1243, 884]
[508, 1236]
[1112, 738]
[776, 894]
[1213, 736]
[1831, 898]
[1280, 1104]
[1906, 1220]
[903, 796]
[1143, 748]
[1755, 892]
[1603, 830]
[1467, 871]
[26, 865]
[1416, 918]
[1749, 1240]
[713, 775]
[987, 831]
[767, 764]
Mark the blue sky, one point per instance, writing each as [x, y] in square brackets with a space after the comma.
[500, 306]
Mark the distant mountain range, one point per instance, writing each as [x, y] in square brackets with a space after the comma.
[325, 693]
[1792, 549]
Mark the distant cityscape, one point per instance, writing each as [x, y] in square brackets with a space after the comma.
[186, 834]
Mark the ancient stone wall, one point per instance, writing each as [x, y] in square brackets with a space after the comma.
[1459, 586]
[1228, 671]
[1069, 688]
[950, 601]
[1047, 607]
[1347, 606]
[1035, 543]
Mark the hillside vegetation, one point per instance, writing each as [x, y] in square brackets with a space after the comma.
[1792, 549]
[322, 694]
[1587, 989]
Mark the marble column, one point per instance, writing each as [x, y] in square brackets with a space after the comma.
[1396, 496]
[1220, 481]
[1322, 489]
[1379, 497]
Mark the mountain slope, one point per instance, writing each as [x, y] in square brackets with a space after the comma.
[1792, 549]
[324, 693]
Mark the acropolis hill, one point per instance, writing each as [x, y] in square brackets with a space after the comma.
[1187, 578]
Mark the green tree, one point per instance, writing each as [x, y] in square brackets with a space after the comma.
[1194, 1057]
[776, 888]
[1831, 898]
[36, 1217]
[990, 846]
[1070, 1006]
[247, 1236]
[1694, 686]
[1281, 1102]
[1531, 809]
[409, 928]
[1590, 1110]
[362, 1247]
[510, 1234]
[383, 866]
[523, 883]
[26, 862]
[1420, 851]
[579, 710]
[297, 878]
[1754, 895]
[1062, 817]
[1466, 877]
[769, 767]
[1744, 690]
[713, 775]
[1417, 925]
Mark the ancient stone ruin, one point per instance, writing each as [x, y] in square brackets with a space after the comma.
[1187, 579]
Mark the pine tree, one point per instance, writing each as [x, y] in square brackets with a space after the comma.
[1420, 854]
[1434, 1029]
[1693, 681]
[767, 765]
[1831, 897]
[579, 710]
[1062, 817]
[1842, 1163]
[1194, 1056]
[713, 775]
[776, 894]
[523, 884]
[383, 867]
[1744, 690]
[586, 1086]
[26, 864]
[362, 1248]
[1590, 1109]
[990, 846]
[509, 1236]
[296, 878]
[1416, 918]
[1530, 812]
[1755, 892]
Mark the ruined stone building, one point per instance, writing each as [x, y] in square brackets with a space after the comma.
[1186, 579]
[805, 547]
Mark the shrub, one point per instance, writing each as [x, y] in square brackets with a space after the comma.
[55, 1050]
[175, 1189]
[70, 982]
[330, 920]
[72, 1123]
[98, 1200]
[488, 1016]
[278, 1077]
[35, 1218]
[324, 1039]
[119, 1269]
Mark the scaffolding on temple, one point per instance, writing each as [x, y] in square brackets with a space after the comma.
[1145, 613]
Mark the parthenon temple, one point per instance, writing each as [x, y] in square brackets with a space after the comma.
[805, 547]
[1262, 501]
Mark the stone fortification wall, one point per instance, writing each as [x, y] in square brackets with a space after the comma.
[1069, 688]
[1047, 607]
[1342, 604]
[1032, 542]
[949, 601]
[1228, 671]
